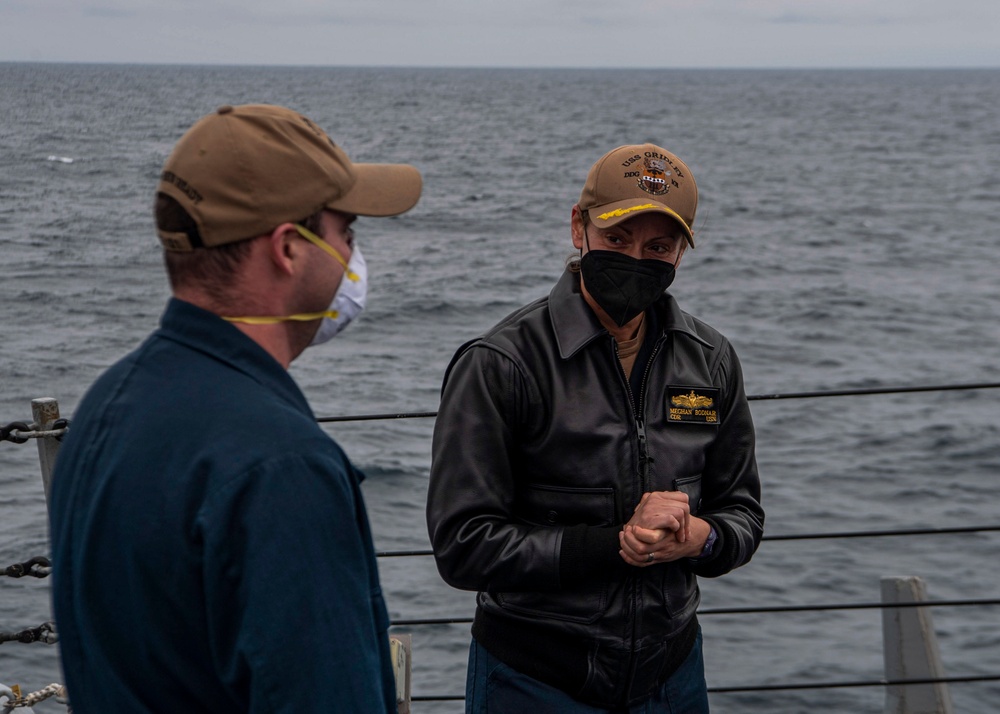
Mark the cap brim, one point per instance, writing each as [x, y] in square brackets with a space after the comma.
[611, 214]
[381, 190]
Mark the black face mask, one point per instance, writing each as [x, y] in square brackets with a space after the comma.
[624, 286]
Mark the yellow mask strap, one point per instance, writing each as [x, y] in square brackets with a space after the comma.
[305, 316]
[301, 317]
[323, 245]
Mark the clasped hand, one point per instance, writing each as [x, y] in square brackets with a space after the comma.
[662, 527]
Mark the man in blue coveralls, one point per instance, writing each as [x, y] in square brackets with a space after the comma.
[212, 551]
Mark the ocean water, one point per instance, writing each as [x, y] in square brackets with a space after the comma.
[846, 238]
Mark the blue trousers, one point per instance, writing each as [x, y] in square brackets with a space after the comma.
[494, 688]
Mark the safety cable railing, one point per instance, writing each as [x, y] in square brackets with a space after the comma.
[784, 687]
[857, 392]
[838, 535]
[37, 567]
[774, 609]
[851, 684]
[744, 689]
[19, 432]
[44, 633]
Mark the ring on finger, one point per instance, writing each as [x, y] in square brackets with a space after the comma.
[650, 558]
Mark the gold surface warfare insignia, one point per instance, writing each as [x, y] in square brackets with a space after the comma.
[695, 405]
[691, 400]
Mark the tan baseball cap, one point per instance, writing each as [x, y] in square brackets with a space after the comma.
[640, 178]
[244, 170]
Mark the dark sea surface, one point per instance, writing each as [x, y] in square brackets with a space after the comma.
[846, 238]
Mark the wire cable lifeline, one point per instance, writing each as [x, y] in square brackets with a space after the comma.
[861, 391]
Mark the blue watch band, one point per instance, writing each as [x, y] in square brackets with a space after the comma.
[709, 543]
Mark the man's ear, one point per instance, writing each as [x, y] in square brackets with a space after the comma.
[284, 248]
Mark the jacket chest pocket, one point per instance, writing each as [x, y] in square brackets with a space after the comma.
[546, 505]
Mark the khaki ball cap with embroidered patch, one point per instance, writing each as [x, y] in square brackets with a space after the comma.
[242, 171]
[640, 178]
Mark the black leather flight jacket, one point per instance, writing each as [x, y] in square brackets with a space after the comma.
[540, 454]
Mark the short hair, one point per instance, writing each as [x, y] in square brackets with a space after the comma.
[572, 262]
[212, 270]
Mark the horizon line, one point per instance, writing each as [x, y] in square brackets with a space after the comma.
[728, 68]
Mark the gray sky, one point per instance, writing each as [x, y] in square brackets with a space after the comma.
[512, 33]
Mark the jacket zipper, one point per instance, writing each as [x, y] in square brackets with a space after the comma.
[644, 458]
[644, 461]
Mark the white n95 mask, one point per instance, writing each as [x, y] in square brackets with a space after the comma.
[348, 301]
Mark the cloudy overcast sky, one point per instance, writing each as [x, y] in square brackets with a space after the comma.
[511, 33]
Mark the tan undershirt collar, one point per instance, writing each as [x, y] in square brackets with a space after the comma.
[628, 349]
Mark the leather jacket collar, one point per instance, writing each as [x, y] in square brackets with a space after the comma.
[575, 325]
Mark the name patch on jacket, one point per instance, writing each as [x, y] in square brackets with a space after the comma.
[699, 405]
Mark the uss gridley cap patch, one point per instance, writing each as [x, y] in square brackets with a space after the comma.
[697, 405]
[639, 178]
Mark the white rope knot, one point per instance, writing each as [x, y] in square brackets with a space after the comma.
[30, 700]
